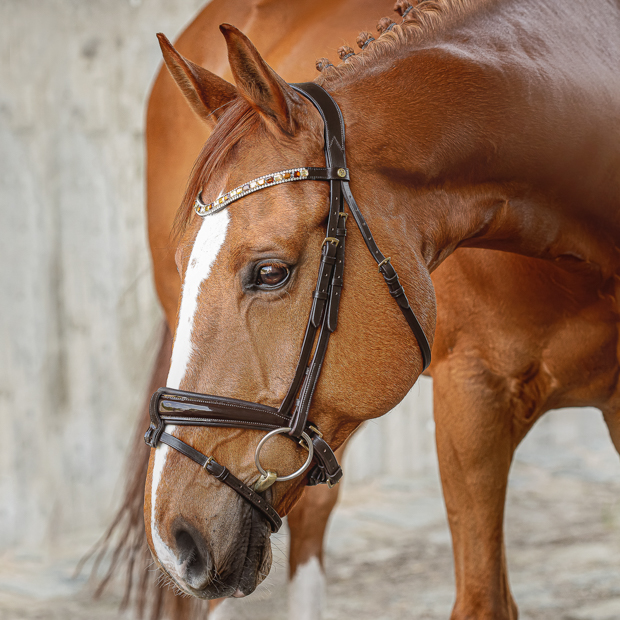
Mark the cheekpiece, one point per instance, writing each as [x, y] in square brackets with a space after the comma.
[277, 178]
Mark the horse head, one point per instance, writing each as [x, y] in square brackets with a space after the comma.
[249, 272]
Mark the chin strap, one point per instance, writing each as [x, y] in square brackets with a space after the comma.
[181, 408]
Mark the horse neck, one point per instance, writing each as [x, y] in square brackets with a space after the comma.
[491, 154]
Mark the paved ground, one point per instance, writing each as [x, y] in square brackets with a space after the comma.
[389, 550]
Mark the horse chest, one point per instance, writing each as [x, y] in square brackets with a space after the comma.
[550, 334]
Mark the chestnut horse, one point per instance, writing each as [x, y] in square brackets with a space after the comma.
[473, 124]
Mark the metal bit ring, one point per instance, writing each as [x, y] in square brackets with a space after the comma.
[300, 471]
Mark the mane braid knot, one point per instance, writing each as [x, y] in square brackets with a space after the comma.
[364, 39]
[385, 24]
[322, 64]
[402, 7]
[345, 52]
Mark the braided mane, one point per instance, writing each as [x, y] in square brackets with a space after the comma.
[422, 20]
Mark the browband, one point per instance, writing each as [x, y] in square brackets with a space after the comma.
[268, 180]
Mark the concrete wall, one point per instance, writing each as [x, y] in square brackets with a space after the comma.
[79, 316]
[78, 311]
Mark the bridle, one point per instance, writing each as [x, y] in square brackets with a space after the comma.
[182, 408]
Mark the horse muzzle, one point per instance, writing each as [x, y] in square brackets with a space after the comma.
[217, 557]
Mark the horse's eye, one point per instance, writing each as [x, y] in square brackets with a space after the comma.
[271, 274]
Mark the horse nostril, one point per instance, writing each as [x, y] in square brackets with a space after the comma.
[194, 562]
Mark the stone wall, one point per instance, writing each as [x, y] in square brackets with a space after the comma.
[78, 313]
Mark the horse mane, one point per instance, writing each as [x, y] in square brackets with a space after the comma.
[427, 18]
[239, 120]
[422, 20]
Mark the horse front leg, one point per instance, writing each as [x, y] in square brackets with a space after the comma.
[307, 523]
[475, 445]
[611, 415]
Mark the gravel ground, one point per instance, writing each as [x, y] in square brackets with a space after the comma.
[389, 556]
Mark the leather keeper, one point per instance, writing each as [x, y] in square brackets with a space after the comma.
[328, 174]
[334, 306]
[328, 259]
[319, 295]
[388, 272]
[316, 476]
[219, 471]
[326, 457]
[399, 292]
[316, 312]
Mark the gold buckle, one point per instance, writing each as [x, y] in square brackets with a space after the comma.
[330, 240]
[265, 481]
[384, 261]
[344, 215]
[207, 462]
[315, 429]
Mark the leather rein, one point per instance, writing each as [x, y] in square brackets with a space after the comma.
[180, 408]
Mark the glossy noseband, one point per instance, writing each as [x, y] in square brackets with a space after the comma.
[291, 419]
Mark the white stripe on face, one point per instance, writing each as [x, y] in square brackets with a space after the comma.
[207, 245]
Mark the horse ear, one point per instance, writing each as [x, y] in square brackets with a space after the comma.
[205, 92]
[263, 88]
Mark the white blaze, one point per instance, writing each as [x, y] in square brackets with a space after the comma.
[209, 240]
[207, 245]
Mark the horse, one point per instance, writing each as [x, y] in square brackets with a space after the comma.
[472, 125]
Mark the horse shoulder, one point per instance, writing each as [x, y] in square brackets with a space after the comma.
[542, 334]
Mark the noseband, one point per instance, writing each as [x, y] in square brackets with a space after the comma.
[181, 408]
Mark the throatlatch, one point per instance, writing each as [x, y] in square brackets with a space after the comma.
[181, 408]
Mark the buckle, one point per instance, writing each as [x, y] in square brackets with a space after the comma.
[385, 261]
[314, 429]
[148, 436]
[330, 240]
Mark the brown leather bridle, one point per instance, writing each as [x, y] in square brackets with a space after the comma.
[181, 408]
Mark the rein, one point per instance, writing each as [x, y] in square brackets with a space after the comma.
[182, 408]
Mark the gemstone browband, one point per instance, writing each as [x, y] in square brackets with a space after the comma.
[284, 176]
[295, 174]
